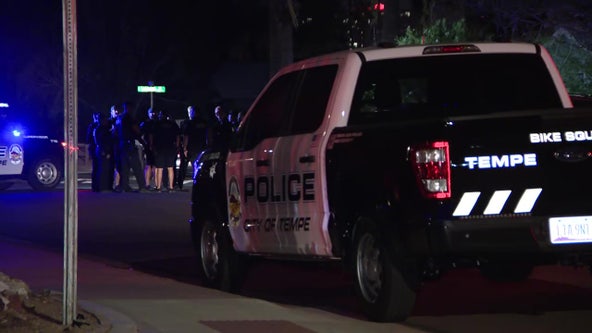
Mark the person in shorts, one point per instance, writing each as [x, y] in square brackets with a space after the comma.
[164, 143]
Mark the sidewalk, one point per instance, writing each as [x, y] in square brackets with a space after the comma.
[132, 301]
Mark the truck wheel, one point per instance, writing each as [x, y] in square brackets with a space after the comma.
[382, 288]
[219, 266]
[45, 174]
[505, 272]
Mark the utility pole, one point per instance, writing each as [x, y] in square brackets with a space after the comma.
[151, 84]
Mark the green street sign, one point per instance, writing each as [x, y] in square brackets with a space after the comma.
[155, 89]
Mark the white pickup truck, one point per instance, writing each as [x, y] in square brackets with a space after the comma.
[402, 163]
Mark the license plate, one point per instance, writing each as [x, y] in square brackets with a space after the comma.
[568, 230]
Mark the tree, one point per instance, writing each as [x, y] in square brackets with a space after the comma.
[439, 32]
[282, 21]
[563, 27]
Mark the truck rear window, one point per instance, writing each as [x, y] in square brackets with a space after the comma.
[435, 86]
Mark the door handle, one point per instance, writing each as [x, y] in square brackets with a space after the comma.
[262, 163]
[306, 159]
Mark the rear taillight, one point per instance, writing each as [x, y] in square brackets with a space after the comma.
[431, 164]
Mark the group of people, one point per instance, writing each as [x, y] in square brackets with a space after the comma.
[119, 144]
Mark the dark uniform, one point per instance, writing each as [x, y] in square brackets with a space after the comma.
[194, 132]
[220, 135]
[147, 128]
[105, 159]
[90, 141]
[128, 156]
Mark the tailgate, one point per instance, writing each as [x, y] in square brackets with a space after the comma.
[533, 163]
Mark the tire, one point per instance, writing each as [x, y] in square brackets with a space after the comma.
[505, 271]
[45, 174]
[382, 288]
[218, 264]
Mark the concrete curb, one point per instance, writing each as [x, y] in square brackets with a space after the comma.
[115, 321]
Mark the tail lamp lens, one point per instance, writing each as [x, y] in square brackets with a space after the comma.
[432, 169]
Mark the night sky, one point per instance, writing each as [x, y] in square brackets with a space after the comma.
[185, 45]
[122, 44]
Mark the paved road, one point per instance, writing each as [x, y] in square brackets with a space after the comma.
[149, 232]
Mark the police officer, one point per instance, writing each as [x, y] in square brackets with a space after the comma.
[114, 113]
[221, 132]
[193, 132]
[90, 141]
[105, 160]
[128, 132]
[147, 128]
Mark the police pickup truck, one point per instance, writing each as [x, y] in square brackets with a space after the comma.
[402, 163]
[38, 159]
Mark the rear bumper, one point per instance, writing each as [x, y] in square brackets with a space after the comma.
[507, 237]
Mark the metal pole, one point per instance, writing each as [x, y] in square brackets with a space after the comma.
[71, 159]
[152, 100]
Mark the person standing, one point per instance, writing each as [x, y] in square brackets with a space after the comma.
[114, 114]
[92, 150]
[234, 118]
[193, 133]
[105, 160]
[164, 142]
[221, 132]
[147, 128]
[128, 156]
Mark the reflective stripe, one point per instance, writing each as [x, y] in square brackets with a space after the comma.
[466, 204]
[497, 202]
[527, 200]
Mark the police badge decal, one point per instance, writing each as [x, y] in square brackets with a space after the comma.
[16, 154]
[234, 204]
